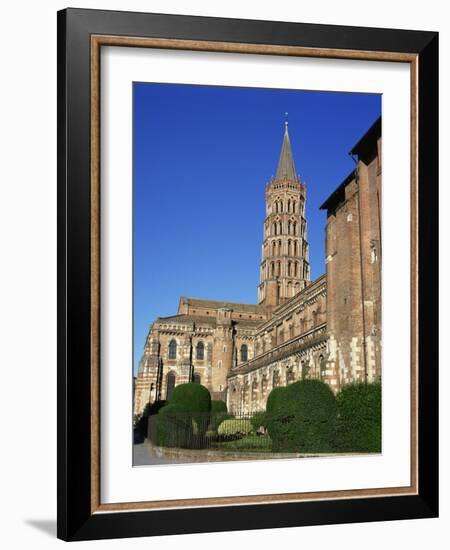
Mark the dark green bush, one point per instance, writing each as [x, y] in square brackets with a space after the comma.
[359, 418]
[258, 420]
[184, 420]
[173, 427]
[142, 421]
[191, 397]
[275, 398]
[194, 399]
[218, 414]
[301, 417]
[218, 406]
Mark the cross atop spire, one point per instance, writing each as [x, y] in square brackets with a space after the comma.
[286, 166]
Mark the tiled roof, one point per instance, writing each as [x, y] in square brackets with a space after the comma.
[216, 304]
[183, 319]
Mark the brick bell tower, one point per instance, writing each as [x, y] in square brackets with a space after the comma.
[285, 250]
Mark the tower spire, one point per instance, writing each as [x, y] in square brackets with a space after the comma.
[286, 166]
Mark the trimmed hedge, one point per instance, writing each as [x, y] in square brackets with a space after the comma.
[235, 426]
[258, 420]
[150, 409]
[184, 421]
[301, 417]
[174, 427]
[359, 418]
[193, 398]
[275, 398]
[219, 413]
[218, 406]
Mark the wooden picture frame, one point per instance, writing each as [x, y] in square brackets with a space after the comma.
[81, 35]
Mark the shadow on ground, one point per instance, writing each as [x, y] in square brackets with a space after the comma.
[47, 526]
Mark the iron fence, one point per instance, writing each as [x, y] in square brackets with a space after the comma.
[219, 431]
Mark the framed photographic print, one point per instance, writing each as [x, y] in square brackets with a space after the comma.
[247, 274]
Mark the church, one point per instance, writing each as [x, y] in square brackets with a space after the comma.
[328, 328]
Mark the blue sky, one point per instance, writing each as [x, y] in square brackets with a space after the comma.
[201, 158]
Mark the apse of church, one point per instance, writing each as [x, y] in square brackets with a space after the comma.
[328, 328]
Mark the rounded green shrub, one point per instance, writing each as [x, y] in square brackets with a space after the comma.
[194, 399]
[275, 398]
[359, 418]
[235, 426]
[149, 410]
[302, 417]
[191, 397]
[218, 406]
[173, 427]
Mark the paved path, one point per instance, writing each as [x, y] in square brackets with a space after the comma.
[142, 456]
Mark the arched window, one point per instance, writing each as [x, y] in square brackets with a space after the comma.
[289, 227]
[173, 349]
[289, 289]
[295, 248]
[294, 204]
[323, 366]
[197, 378]
[273, 247]
[281, 206]
[314, 318]
[294, 228]
[276, 379]
[289, 247]
[200, 351]
[279, 248]
[290, 375]
[295, 269]
[279, 269]
[170, 383]
[289, 269]
[274, 228]
[244, 353]
[272, 269]
[305, 369]
[254, 391]
[280, 228]
[289, 205]
[302, 325]
[264, 386]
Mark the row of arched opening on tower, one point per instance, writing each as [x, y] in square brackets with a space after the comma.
[291, 228]
[292, 269]
[276, 248]
[290, 206]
